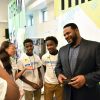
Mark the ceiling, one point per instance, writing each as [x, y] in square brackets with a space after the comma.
[3, 10]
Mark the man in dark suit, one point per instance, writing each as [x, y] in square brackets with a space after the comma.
[78, 66]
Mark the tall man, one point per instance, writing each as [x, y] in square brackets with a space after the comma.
[79, 64]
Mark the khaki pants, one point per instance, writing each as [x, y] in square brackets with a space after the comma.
[51, 89]
[29, 95]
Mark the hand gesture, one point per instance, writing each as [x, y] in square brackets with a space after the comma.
[35, 86]
[78, 81]
[40, 83]
[29, 68]
[61, 77]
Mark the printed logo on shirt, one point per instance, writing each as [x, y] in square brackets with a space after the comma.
[27, 65]
[31, 64]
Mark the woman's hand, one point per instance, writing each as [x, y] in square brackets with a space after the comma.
[29, 68]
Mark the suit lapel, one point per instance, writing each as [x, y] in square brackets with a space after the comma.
[68, 70]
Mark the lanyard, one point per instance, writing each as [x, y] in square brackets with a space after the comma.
[32, 62]
[51, 63]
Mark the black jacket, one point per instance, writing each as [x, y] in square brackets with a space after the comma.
[88, 64]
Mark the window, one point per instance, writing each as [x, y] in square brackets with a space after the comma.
[43, 15]
[30, 20]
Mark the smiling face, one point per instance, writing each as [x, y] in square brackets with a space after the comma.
[29, 47]
[71, 35]
[51, 46]
[11, 50]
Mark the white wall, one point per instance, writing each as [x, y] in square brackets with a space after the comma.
[3, 10]
[49, 28]
[54, 25]
[46, 27]
[3, 19]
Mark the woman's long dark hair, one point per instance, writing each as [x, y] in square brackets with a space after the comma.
[4, 56]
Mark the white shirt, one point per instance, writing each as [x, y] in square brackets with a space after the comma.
[50, 61]
[3, 88]
[31, 75]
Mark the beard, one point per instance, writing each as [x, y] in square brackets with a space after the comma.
[73, 40]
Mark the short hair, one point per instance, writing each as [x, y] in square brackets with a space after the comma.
[27, 40]
[52, 38]
[72, 25]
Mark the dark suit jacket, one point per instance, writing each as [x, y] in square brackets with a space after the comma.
[88, 64]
